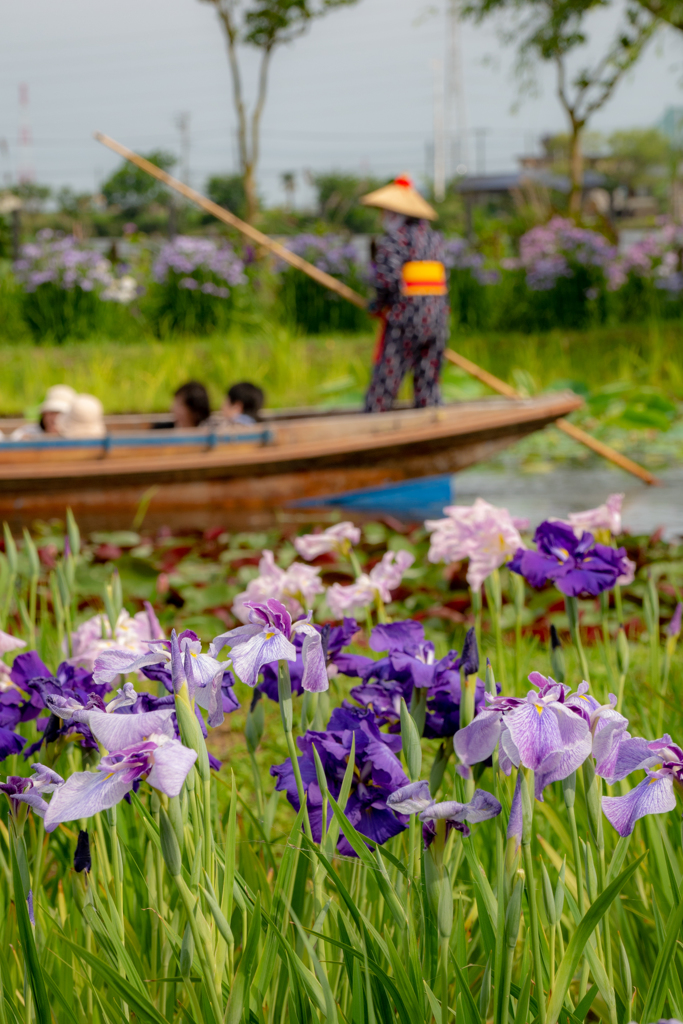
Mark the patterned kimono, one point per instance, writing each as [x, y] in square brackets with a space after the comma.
[411, 298]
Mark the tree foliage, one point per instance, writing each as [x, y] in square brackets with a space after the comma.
[554, 32]
[133, 190]
[265, 25]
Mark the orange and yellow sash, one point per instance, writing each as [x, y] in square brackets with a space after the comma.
[423, 277]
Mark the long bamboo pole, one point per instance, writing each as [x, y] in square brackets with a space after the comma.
[562, 424]
[327, 281]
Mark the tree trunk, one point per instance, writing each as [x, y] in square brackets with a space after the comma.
[576, 168]
[251, 197]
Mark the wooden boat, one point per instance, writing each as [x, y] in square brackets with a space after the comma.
[246, 477]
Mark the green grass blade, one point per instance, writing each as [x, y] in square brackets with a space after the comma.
[31, 961]
[579, 939]
[656, 993]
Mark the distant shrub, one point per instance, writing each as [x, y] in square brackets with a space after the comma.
[308, 305]
[195, 281]
[66, 287]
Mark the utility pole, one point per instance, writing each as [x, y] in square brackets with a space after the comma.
[456, 114]
[183, 126]
[25, 170]
[439, 133]
[480, 143]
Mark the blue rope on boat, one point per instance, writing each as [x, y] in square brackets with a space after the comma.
[155, 439]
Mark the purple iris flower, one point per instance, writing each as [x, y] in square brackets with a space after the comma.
[674, 628]
[540, 731]
[174, 662]
[378, 773]
[410, 663]
[29, 791]
[163, 761]
[334, 638]
[576, 565]
[416, 799]
[607, 728]
[34, 684]
[267, 637]
[662, 761]
[114, 731]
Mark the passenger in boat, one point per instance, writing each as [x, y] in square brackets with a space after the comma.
[243, 402]
[83, 419]
[411, 300]
[57, 401]
[190, 405]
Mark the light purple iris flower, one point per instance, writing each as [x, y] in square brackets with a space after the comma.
[203, 673]
[607, 727]
[19, 790]
[268, 638]
[416, 799]
[539, 731]
[164, 762]
[655, 794]
[111, 730]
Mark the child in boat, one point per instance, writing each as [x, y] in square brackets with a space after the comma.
[242, 404]
[190, 405]
[57, 401]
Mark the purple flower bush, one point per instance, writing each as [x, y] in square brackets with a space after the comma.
[199, 264]
[60, 260]
[554, 250]
[196, 285]
[331, 253]
[459, 255]
[308, 306]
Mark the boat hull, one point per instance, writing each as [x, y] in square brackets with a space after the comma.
[251, 486]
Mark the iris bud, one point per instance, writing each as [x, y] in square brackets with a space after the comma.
[186, 952]
[592, 784]
[513, 915]
[412, 749]
[82, 861]
[559, 893]
[284, 692]
[625, 975]
[548, 895]
[169, 844]
[569, 790]
[490, 678]
[320, 773]
[527, 809]
[591, 876]
[557, 664]
[73, 533]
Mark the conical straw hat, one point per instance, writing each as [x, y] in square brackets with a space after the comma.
[400, 196]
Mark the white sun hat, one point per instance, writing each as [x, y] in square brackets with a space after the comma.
[58, 398]
[84, 418]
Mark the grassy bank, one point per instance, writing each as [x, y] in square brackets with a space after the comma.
[142, 374]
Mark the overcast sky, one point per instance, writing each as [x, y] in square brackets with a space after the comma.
[356, 93]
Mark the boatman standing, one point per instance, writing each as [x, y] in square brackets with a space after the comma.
[411, 301]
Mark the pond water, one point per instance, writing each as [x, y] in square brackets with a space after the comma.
[540, 495]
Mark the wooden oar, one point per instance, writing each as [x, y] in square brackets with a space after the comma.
[327, 281]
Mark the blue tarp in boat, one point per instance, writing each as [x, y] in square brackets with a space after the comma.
[411, 500]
